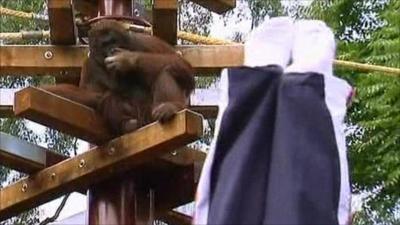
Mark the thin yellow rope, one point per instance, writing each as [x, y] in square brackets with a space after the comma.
[25, 35]
[11, 12]
[198, 39]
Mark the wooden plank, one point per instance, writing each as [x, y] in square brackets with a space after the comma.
[114, 158]
[173, 217]
[218, 6]
[31, 60]
[61, 20]
[203, 101]
[60, 113]
[41, 60]
[25, 157]
[208, 112]
[205, 57]
[165, 20]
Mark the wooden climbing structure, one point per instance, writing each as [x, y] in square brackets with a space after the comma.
[133, 179]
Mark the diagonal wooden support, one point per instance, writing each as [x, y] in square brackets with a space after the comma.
[218, 6]
[115, 157]
[25, 157]
[63, 61]
[62, 24]
[61, 114]
[165, 20]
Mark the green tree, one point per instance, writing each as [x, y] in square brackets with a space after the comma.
[375, 143]
[368, 32]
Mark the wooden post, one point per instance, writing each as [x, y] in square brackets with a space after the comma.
[165, 20]
[61, 20]
[119, 200]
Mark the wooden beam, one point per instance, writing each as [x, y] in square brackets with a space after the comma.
[173, 217]
[205, 57]
[41, 60]
[218, 6]
[115, 157]
[31, 60]
[62, 22]
[60, 113]
[165, 20]
[25, 157]
[203, 101]
[208, 112]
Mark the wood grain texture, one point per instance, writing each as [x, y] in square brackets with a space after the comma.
[61, 20]
[30, 60]
[165, 20]
[60, 113]
[115, 157]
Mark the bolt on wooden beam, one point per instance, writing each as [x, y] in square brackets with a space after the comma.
[66, 60]
[25, 157]
[28, 60]
[115, 157]
[218, 6]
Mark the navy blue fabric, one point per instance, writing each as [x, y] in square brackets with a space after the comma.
[276, 160]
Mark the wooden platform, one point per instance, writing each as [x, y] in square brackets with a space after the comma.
[201, 101]
[119, 155]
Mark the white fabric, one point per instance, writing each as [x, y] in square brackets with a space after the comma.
[314, 51]
[270, 43]
[203, 189]
[313, 48]
[337, 92]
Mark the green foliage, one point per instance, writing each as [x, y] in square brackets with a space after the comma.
[368, 32]
[375, 143]
[260, 8]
